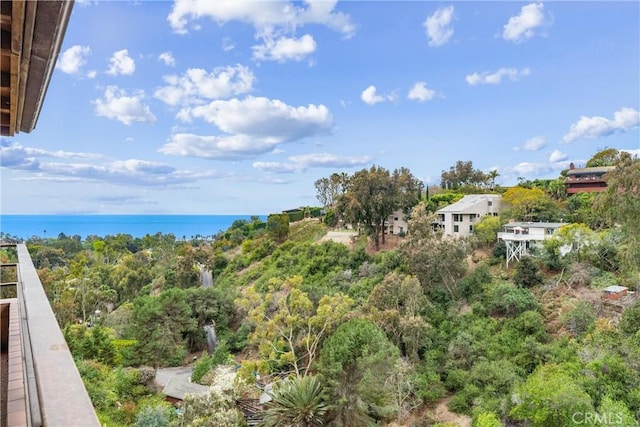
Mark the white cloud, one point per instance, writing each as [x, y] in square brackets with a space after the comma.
[523, 26]
[315, 160]
[15, 155]
[495, 78]
[131, 172]
[230, 147]
[595, 127]
[227, 44]
[167, 58]
[92, 74]
[438, 26]
[196, 86]
[263, 15]
[557, 156]
[117, 104]
[252, 126]
[370, 96]
[121, 63]
[285, 48]
[72, 59]
[263, 117]
[534, 144]
[420, 92]
[528, 169]
[275, 23]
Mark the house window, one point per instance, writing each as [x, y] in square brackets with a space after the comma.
[489, 203]
[455, 228]
[471, 228]
[441, 217]
[395, 218]
[457, 217]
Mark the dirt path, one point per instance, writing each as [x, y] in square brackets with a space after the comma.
[344, 237]
[443, 415]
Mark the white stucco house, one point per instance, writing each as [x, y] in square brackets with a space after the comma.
[397, 223]
[458, 219]
[519, 237]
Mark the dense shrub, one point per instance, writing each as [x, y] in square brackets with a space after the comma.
[527, 273]
[580, 319]
[511, 301]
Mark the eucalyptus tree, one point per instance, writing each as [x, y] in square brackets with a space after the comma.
[462, 174]
[436, 261]
[374, 194]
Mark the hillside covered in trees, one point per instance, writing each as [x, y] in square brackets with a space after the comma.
[421, 331]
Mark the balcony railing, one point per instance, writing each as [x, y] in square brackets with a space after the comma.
[53, 393]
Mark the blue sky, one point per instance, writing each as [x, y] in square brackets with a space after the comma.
[232, 107]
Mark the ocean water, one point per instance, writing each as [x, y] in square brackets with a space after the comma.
[188, 226]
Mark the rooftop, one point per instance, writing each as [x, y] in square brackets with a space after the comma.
[31, 36]
[594, 170]
[512, 225]
[467, 202]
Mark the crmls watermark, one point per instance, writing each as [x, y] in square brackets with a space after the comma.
[594, 418]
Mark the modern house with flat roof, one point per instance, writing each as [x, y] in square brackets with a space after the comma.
[586, 180]
[458, 218]
[520, 237]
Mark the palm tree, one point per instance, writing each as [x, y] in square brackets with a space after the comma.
[492, 176]
[298, 402]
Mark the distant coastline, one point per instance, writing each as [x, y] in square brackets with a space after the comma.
[51, 226]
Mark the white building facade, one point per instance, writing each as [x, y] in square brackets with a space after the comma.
[520, 237]
[459, 218]
[397, 223]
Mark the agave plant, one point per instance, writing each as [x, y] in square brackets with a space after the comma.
[298, 402]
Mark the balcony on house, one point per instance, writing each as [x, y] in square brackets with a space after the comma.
[40, 383]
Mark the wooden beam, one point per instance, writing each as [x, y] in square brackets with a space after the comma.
[5, 21]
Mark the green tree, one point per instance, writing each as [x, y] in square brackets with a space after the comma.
[355, 362]
[580, 206]
[435, 261]
[288, 327]
[461, 174]
[406, 188]
[511, 301]
[620, 203]
[395, 306]
[487, 229]
[529, 204]
[550, 397]
[369, 201]
[491, 176]
[329, 189]
[299, 402]
[527, 273]
[159, 324]
[606, 157]
[278, 227]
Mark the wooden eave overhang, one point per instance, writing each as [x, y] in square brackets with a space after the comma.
[31, 36]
